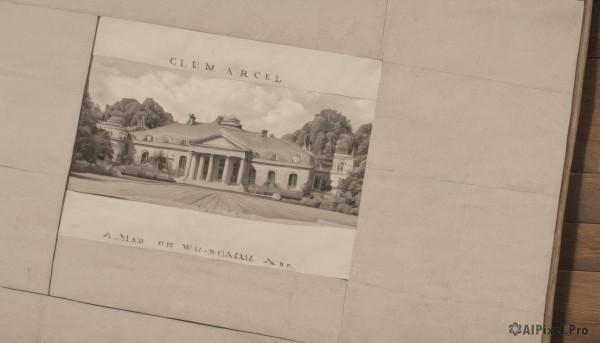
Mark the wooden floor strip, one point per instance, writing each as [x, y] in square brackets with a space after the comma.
[578, 303]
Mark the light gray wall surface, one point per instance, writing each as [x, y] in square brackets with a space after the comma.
[461, 192]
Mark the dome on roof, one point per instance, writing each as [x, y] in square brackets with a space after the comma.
[231, 120]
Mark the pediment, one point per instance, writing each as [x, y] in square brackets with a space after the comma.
[218, 141]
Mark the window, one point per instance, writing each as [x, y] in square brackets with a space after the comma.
[204, 174]
[149, 138]
[341, 166]
[182, 162]
[274, 157]
[220, 169]
[271, 176]
[296, 158]
[252, 175]
[167, 140]
[292, 181]
[234, 173]
[110, 133]
[144, 157]
[256, 155]
[184, 142]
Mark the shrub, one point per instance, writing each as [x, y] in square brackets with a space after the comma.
[328, 204]
[82, 163]
[312, 202]
[146, 172]
[354, 211]
[86, 167]
[77, 168]
[270, 189]
[357, 199]
[344, 208]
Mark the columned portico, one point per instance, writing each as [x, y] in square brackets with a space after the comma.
[220, 166]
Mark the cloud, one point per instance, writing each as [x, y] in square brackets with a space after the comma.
[280, 110]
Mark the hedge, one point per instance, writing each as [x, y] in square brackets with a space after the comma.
[270, 190]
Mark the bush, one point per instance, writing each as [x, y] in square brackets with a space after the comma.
[271, 189]
[354, 211]
[144, 172]
[344, 208]
[76, 168]
[357, 199]
[314, 202]
[82, 163]
[79, 166]
[328, 204]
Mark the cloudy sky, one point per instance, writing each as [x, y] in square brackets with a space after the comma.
[258, 106]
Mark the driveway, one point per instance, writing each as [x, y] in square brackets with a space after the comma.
[206, 199]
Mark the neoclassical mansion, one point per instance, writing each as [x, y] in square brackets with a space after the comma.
[223, 155]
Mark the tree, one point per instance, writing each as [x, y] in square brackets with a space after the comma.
[351, 184]
[91, 143]
[363, 136]
[159, 161]
[322, 133]
[132, 110]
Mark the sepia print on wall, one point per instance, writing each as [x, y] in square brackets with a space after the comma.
[222, 148]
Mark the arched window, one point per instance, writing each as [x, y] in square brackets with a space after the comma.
[341, 166]
[110, 133]
[256, 155]
[252, 175]
[271, 176]
[149, 138]
[182, 162]
[274, 157]
[292, 181]
[144, 157]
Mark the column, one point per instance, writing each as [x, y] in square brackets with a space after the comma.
[195, 167]
[241, 172]
[200, 167]
[211, 162]
[189, 165]
[190, 171]
[226, 175]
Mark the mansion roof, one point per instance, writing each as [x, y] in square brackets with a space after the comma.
[228, 134]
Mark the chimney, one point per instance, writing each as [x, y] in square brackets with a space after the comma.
[192, 119]
[264, 133]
